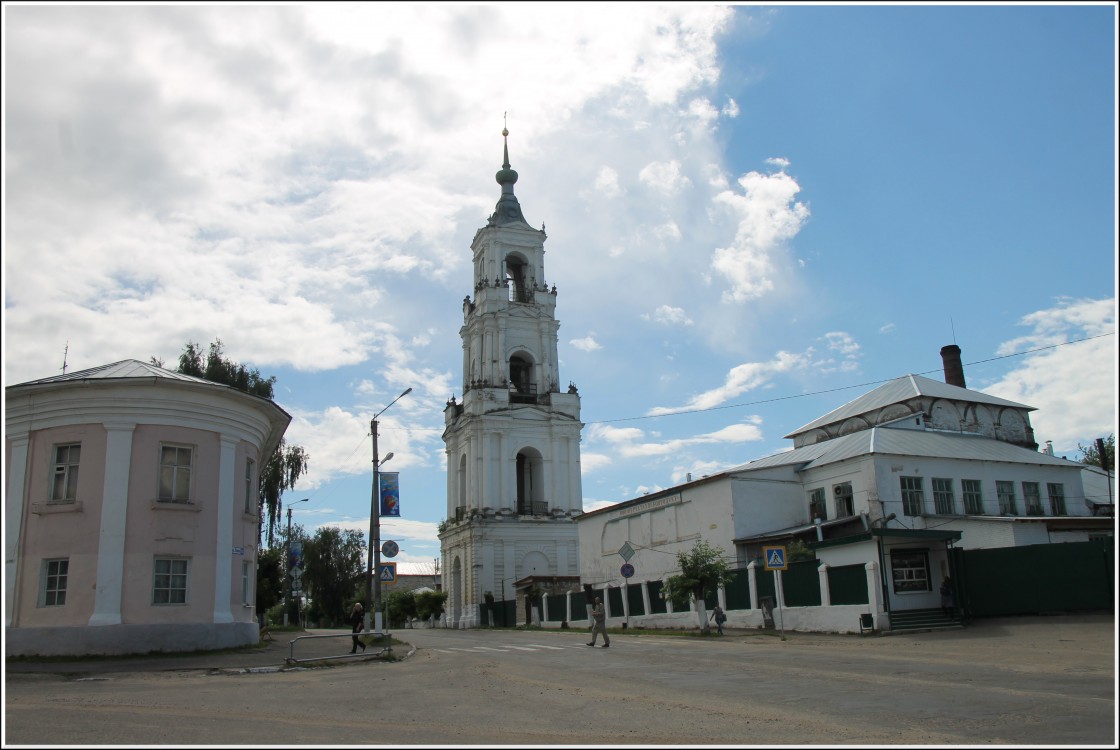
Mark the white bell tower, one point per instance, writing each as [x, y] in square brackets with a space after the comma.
[513, 470]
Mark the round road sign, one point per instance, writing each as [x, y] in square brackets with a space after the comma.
[627, 570]
[390, 549]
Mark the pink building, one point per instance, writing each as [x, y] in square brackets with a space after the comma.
[130, 511]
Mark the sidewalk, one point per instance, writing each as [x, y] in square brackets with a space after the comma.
[271, 656]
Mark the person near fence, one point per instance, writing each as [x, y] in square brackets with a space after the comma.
[947, 596]
[599, 624]
[719, 617]
[356, 623]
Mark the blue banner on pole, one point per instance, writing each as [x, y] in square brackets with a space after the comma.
[390, 493]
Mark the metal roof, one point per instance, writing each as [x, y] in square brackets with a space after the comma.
[904, 442]
[901, 390]
[127, 368]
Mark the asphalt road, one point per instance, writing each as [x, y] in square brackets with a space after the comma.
[1030, 681]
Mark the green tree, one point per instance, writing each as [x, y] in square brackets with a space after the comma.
[702, 568]
[430, 604]
[1091, 455]
[270, 579]
[402, 606]
[287, 463]
[798, 551]
[334, 565]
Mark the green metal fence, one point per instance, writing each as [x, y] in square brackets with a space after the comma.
[847, 584]
[1036, 579]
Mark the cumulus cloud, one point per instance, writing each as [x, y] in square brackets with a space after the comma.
[1076, 382]
[664, 176]
[586, 344]
[768, 216]
[670, 316]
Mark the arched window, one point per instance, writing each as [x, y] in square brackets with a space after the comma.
[523, 388]
[530, 484]
[517, 276]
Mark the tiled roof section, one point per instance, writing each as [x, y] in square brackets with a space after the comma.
[900, 390]
[904, 442]
[128, 368]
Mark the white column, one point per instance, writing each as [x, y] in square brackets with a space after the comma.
[114, 515]
[15, 500]
[874, 598]
[223, 553]
[645, 597]
[826, 594]
[752, 582]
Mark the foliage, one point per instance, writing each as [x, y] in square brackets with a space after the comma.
[1091, 455]
[270, 579]
[402, 606]
[798, 550]
[334, 565]
[702, 568]
[286, 464]
[429, 603]
[219, 369]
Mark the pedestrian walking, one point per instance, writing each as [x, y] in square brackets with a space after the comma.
[599, 624]
[719, 617]
[356, 625]
[947, 596]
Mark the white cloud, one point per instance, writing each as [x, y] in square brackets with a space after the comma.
[670, 316]
[586, 344]
[739, 380]
[664, 176]
[1073, 386]
[768, 216]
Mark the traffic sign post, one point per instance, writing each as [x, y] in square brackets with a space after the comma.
[774, 558]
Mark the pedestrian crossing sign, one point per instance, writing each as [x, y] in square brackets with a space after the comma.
[774, 558]
[387, 572]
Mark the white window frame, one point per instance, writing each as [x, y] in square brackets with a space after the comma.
[943, 500]
[972, 491]
[844, 500]
[1057, 493]
[176, 471]
[816, 500]
[250, 496]
[65, 468]
[246, 582]
[912, 492]
[1032, 498]
[1005, 493]
[910, 571]
[53, 583]
[178, 572]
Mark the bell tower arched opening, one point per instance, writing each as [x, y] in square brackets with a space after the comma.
[530, 483]
[517, 277]
[523, 386]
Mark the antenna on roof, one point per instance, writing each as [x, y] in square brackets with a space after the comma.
[953, 329]
[64, 353]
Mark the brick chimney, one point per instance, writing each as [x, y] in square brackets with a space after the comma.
[954, 371]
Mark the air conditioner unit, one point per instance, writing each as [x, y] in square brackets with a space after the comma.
[838, 489]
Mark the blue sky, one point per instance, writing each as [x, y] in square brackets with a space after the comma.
[755, 214]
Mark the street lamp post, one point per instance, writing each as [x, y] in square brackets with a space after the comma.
[373, 555]
[288, 559]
